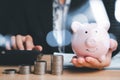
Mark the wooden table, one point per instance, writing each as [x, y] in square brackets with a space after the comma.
[70, 73]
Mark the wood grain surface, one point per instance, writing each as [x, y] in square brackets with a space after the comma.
[70, 73]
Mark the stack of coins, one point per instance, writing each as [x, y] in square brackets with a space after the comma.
[25, 69]
[57, 64]
[10, 71]
[40, 67]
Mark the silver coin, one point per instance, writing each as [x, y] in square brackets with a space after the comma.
[10, 71]
[40, 67]
[25, 69]
[57, 64]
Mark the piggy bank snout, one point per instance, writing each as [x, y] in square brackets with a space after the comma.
[90, 42]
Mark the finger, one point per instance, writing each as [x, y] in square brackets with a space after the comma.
[94, 63]
[19, 42]
[80, 60]
[83, 62]
[74, 57]
[113, 45]
[7, 45]
[75, 62]
[38, 48]
[13, 42]
[28, 42]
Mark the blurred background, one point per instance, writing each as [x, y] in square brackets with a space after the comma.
[49, 21]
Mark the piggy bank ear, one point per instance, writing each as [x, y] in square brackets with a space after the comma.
[75, 26]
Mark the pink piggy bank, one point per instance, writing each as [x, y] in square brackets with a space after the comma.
[90, 40]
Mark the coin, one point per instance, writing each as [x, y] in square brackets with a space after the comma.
[40, 67]
[10, 71]
[25, 69]
[57, 64]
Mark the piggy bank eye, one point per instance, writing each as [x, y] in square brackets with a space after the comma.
[86, 32]
[96, 31]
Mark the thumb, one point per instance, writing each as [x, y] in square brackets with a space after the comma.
[113, 44]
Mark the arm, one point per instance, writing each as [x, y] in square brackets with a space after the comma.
[99, 13]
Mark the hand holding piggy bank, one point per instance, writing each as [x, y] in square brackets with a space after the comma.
[90, 40]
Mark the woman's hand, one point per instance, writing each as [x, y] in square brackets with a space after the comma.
[20, 42]
[91, 62]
